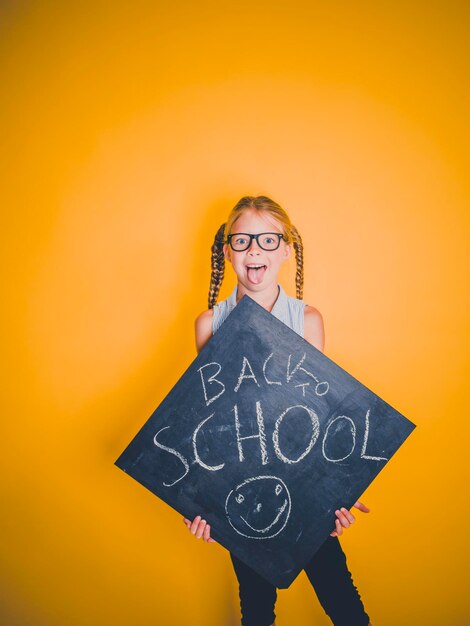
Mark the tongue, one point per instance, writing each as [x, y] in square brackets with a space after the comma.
[255, 276]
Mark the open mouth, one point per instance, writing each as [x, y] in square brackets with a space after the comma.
[255, 273]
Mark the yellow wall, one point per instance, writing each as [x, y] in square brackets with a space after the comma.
[128, 132]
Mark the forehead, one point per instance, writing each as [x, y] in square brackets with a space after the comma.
[251, 221]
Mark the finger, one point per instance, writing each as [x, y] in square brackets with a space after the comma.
[342, 518]
[210, 539]
[339, 528]
[362, 507]
[187, 522]
[200, 529]
[195, 524]
[207, 533]
[348, 514]
[334, 534]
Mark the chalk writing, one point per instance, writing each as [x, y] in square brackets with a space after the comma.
[259, 507]
[208, 379]
[335, 428]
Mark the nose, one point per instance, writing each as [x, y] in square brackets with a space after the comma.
[254, 247]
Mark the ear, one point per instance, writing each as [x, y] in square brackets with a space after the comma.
[287, 250]
[226, 249]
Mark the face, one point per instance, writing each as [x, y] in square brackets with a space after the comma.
[259, 507]
[257, 280]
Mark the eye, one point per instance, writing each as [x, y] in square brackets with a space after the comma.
[239, 498]
[278, 489]
[240, 240]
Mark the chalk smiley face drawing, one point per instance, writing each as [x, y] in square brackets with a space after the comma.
[259, 507]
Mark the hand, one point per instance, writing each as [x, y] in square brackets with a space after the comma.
[200, 528]
[345, 518]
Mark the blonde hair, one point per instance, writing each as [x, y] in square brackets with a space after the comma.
[291, 235]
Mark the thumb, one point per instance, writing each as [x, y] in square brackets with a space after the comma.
[362, 507]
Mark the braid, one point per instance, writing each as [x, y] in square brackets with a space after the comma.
[217, 265]
[299, 258]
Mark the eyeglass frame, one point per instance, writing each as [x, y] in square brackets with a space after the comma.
[280, 236]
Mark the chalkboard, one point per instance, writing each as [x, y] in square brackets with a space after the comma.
[265, 437]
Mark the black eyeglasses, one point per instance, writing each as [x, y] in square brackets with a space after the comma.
[266, 241]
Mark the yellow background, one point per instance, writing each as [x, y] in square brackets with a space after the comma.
[128, 131]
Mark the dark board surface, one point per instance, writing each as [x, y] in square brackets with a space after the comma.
[265, 437]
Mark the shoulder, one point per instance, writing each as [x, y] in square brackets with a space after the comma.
[204, 319]
[314, 330]
[203, 328]
[312, 314]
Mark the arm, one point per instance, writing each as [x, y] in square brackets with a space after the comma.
[203, 332]
[314, 333]
[203, 329]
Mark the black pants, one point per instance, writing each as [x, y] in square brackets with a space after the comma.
[329, 576]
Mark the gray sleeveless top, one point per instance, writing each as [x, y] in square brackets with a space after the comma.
[286, 308]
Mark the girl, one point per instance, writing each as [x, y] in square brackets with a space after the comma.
[257, 239]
